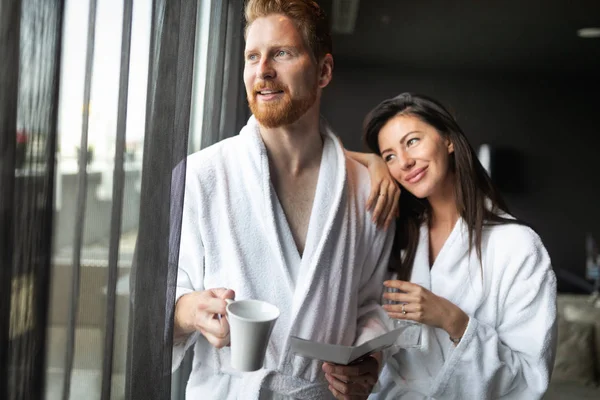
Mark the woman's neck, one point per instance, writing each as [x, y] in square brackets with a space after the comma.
[444, 211]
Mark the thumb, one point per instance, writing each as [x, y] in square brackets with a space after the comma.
[223, 293]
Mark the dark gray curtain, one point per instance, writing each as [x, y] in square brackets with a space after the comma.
[30, 44]
[30, 50]
[225, 107]
[167, 126]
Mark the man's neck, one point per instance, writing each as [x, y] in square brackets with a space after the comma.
[294, 148]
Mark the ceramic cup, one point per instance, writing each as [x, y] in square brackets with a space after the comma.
[250, 325]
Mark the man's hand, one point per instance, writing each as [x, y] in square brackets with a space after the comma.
[354, 381]
[204, 312]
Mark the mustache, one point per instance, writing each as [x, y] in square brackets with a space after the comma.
[269, 85]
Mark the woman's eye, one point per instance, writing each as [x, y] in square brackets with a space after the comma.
[412, 142]
[388, 158]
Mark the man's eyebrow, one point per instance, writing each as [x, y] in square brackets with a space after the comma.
[275, 45]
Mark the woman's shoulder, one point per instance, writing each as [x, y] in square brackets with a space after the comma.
[513, 237]
[516, 246]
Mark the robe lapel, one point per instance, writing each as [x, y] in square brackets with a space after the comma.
[451, 278]
[269, 209]
[328, 195]
[420, 273]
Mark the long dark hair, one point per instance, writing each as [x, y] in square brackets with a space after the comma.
[473, 186]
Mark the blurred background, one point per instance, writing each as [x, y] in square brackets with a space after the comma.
[140, 84]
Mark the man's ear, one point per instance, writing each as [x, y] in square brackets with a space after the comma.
[325, 70]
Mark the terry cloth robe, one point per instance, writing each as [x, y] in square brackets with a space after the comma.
[507, 350]
[235, 235]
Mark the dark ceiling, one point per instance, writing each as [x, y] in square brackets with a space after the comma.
[517, 35]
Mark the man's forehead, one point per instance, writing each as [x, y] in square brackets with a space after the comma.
[273, 30]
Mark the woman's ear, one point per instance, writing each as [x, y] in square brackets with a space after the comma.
[450, 146]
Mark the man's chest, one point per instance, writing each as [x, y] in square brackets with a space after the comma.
[296, 197]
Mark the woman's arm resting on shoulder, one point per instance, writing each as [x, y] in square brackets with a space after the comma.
[385, 192]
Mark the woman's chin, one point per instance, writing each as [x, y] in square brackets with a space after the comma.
[419, 193]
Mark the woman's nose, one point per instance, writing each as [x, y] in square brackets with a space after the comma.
[406, 162]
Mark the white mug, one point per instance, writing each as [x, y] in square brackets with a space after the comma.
[250, 325]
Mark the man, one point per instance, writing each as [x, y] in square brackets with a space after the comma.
[277, 214]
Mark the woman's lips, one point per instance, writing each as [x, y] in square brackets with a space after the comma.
[416, 176]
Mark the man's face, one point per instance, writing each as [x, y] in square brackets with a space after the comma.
[280, 76]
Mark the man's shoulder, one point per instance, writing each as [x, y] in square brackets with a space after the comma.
[215, 155]
[357, 172]
[359, 180]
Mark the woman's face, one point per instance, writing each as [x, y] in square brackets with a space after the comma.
[417, 156]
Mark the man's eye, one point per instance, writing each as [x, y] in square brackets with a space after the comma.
[251, 57]
[281, 53]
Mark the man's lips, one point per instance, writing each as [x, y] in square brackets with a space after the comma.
[268, 94]
[416, 175]
[269, 91]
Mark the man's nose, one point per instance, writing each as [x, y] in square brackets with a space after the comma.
[265, 69]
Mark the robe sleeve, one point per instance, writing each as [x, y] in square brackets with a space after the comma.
[190, 272]
[372, 319]
[514, 359]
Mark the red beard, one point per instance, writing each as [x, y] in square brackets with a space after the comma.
[283, 111]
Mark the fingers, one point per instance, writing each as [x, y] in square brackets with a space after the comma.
[400, 297]
[208, 321]
[409, 316]
[381, 202]
[387, 210]
[222, 293]
[366, 380]
[406, 311]
[373, 196]
[340, 396]
[345, 388]
[214, 328]
[394, 210]
[352, 381]
[218, 339]
[213, 305]
[348, 370]
[366, 366]
[407, 287]
[404, 308]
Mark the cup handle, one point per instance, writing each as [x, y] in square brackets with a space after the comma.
[228, 301]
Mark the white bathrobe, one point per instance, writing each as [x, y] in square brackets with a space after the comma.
[507, 350]
[235, 235]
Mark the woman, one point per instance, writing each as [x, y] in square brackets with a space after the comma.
[487, 292]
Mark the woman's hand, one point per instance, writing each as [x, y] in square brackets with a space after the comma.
[421, 305]
[385, 192]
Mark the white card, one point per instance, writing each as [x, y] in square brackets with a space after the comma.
[404, 336]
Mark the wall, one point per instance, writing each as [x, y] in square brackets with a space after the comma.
[549, 122]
